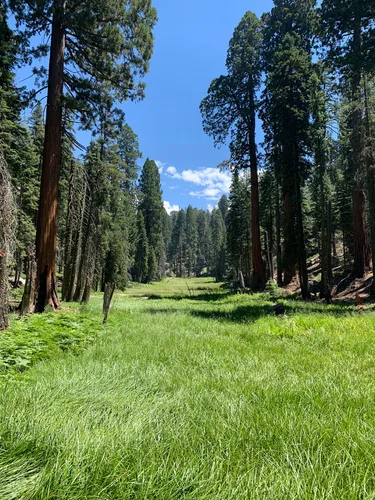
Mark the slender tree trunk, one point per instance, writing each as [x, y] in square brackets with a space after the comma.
[4, 306]
[329, 241]
[303, 274]
[28, 293]
[109, 289]
[46, 288]
[181, 261]
[68, 237]
[17, 269]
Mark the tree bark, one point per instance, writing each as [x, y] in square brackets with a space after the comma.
[46, 287]
[28, 293]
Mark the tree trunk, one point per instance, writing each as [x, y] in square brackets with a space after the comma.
[370, 166]
[17, 269]
[6, 211]
[4, 306]
[259, 272]
[46, 236]
[109, 289]
[68, 244]
[181, 261]
[361, 245]
[28, 293]
[278, 239]
[303, 274]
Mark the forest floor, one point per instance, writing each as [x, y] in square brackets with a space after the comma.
[189, 393]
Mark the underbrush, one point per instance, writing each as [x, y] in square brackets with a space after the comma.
[41, 336]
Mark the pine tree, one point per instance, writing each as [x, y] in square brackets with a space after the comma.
[178, 243]
[230, 108]
[238, 227]
[218, 245]
[141, 252]
[152, 207]
[108, 42]
[223, 206]
[203, 243]
[191, 240]
[350, 35]
[286, 112]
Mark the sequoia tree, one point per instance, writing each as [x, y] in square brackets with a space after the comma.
[230, 109]
[349, 33]
[90, 43]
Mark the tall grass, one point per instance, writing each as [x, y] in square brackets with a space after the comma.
[198, 396]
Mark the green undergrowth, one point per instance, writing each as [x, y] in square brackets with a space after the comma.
[42, 336]
[197, 395]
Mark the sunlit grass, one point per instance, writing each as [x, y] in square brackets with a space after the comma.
[197, 396]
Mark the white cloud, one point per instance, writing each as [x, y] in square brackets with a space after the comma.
[172, 171]
[214, 181]
[170, 208]
[160, 166]
[211, 207]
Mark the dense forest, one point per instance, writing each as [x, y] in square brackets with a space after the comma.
[84, 219]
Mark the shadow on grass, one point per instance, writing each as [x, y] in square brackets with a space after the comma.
[206, 297]
[250, 313]
[241, 314]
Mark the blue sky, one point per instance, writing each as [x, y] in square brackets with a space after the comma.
[191, 40]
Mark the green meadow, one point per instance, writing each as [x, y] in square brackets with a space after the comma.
[189, 393]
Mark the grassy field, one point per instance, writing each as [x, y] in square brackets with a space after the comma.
[188, 393]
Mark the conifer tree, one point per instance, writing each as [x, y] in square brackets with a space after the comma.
[151, 207]
[203, 243]
[230, 109]
[218, 262]
[107, 42]
[191, 239]
[237, 226]
[178, 243]
[141, 251]
[349, 34]
[286, 112]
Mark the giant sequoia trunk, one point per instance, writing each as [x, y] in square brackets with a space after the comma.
[361, 244]
[259, 271]
[46, 287]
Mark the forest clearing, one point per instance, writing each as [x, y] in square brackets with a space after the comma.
[187, 250]
[189, 392]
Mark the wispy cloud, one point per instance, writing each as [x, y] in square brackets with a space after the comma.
[160, 166]
[214, 181]
[170, 208]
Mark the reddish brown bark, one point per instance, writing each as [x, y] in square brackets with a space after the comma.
[46, 289]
